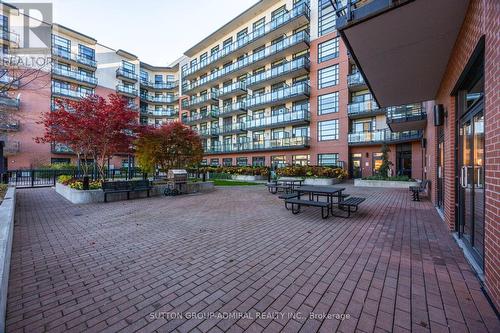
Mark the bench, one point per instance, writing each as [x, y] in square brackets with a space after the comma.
[351, 202]
[275, 187]
[125, 187]
[300, 202]
[342, 196]
[288, 196]
[416, 190]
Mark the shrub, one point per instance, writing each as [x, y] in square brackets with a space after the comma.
[64, 179]
[236, 170]
[393, 178]
[311, 171]
[77, 184]
[3, 190]
[59, 166]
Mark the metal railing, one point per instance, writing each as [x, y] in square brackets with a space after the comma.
[163, 112]
[239, 107]
[281, 94]
[159, 99]
[233, 128]
[212, 113]
[66, 92]
[260, 145]
[160, 85]
[362, 107]
[384, 135]
[285, 68]
[236, 87]
[68, 55]
[196, 101]
[9, 102]
[284, 118]
[355, 79]
[126, 73]
[131, 90]
[410, 112]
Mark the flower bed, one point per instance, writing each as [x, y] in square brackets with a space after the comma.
[311, 172]
[236, 170]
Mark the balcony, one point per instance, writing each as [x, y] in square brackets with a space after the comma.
[290, 69]
[208, 132]
[295, 18]
[10, 103]
[159, 99]
[8, 82]
[59, 148]
[164, 112]
[296, 92]
[67, 93]
[11, 148]
[291, 143]
[195, 118]
[66, 56]
[9, 38]
[293, 44]
[406, 117]
[126, 75]
[355, 82]
[234, 108]
[378, 137]
[10, 126]
[129, 91]
[287, 118]
[235, 128]
[235, 89]
[411, 53]
[171, 85]
[199, 101]
[364, 109]
[73, 77]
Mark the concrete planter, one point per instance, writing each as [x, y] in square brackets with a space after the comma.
[7, 210]
[246, 178]
[383, 183]
[95, 196]
[322, 181]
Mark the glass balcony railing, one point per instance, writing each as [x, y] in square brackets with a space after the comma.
[260, 145]
[297, 11]
[197, 101]
[9, 36]
[212, 113]
[283, 69]
[355, 79]
[251, 59]
[239, 87]
[66, 92]
[124, 73]
[7, 81]
[164, 112]
[159, 99]
[205, 132]
[66, 54]
[384, 135]
[410, 112]
[75, 75]
[279, 95]
[233, 128]
[12, 147]
[9, 102]
[234, 108]
[282, 119]
[59, 148]
[362, 107]
[160, 85]
[10, 126]
[129, 90]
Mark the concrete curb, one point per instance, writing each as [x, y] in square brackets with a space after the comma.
[7, 210]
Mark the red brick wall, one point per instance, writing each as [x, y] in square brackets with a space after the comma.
[482, 19]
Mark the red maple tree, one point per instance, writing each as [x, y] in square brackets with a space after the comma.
[93, 128]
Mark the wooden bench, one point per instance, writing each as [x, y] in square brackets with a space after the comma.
[351, 202]
[300, 203]
[125, 187]
[416, 190]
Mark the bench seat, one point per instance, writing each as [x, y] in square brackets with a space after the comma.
[300, 202]
[351, 202]
[126, 187]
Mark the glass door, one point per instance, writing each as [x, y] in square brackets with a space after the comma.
[440, 173]
[356, 166]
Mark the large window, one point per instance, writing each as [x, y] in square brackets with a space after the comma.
[214, 162]
[328, 130]
[128, 66]
[61, 43]
[258, 161]
[326, 17]
[86, 52]
[227, 161]
[241, 161]
[328, 103]
[300, 160]
[331, 159]
[328, 50]
[328, 76]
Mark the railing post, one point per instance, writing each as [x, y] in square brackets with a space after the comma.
[32, 174]
[54, 177]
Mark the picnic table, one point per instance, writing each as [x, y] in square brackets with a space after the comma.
[329, 192]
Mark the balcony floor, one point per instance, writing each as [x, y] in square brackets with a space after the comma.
[393, 266]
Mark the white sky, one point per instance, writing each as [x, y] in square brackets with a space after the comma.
[157, 31]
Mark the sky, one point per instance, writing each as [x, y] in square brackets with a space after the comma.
[157, 31]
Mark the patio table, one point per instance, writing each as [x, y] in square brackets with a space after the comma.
[329, 191]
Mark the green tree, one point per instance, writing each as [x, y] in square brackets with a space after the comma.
[386, 163]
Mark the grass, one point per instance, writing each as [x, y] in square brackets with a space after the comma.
[224, 182]
[3, 190]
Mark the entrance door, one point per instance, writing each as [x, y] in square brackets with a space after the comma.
[440, 173]
[356, 166]
[403, 160]
[471, 189]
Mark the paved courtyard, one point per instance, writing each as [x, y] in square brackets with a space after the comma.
[235, 260]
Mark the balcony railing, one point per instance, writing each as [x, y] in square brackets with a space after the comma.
[296, 12]
[209, 131]
[59, 148]
[236, 88]
[66, 54]
[74, 75]
[278, 71]
[7, 81]
[160, 85]
[129, 90]
[212, 113]
[197, 101]
[260, 145]
[383, 136]
[12, 147]
[9, 36]
[410, 112]
[9, 102]
[234, 108]
[162, 99]
[252, 59]
[283, 119]
[127, 74]
[233, 128]
[355, 79]
[296, 91]
[166, 112]
[10, 126]
[66, 92]
[363, 108]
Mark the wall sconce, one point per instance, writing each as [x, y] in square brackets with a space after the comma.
[367, 155]
[439, 115]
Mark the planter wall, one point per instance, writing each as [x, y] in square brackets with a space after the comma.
[248, 178]
[7, 210]
[321, 181]
[383, 183]
[95, 196]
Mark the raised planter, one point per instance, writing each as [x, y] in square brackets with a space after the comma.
[7, 210]
[95, 196]
[383, 183]
[322, 181]
[246, 178]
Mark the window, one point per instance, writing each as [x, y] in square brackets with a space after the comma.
[328, 130]
[300, 131]
[128, 66]
[278, 161]
[326, 17]
[242, 34]
[214, 162]
[258, 161]
[328, 77]
[331, 159]
[61, 43]
[170, 78]
[203, 57]
[158, 78]
[328, 50]
[60, 161]
[259, 24]
[227, 161]
[278, 12]
[125, 163]
[377, 162]
[328, 103]
[144, 76]
[214, 50]
[86, 52]
[227, 42]
[300, 160]
[241, 161]
[204, 161]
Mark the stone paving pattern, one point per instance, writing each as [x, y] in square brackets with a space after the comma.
[392, 267]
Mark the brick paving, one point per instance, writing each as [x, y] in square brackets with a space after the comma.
[145, 265]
